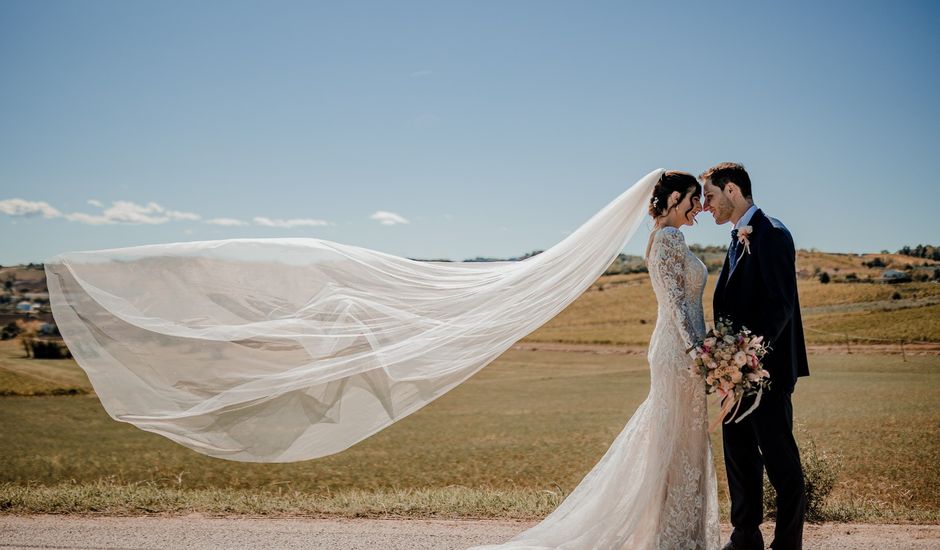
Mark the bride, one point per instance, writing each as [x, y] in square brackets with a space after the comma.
[288, 349]
[655, 487]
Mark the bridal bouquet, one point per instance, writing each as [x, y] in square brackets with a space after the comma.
[730, 364]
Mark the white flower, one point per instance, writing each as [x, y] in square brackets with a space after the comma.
[743, 233]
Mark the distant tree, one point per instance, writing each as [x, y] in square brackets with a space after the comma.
[824, 278]
[926, 251]
[710, 249]
[877, 262]
[529, 254]
[936, 274]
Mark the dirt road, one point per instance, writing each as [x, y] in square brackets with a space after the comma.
[205, 533]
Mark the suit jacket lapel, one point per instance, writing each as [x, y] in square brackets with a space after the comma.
[726, 270]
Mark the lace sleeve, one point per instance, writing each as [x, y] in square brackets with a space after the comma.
[670, 269]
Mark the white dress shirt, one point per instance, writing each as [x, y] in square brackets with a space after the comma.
[746, 217]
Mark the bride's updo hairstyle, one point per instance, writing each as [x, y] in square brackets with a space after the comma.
[672, 180]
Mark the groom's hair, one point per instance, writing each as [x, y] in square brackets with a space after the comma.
[721, 174]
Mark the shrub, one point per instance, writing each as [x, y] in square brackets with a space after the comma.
[10, 330]
[896, 295]
[824, 277]
[46, 349]
[819, 477]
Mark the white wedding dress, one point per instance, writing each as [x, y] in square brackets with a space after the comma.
[289, 349]
[655, 487]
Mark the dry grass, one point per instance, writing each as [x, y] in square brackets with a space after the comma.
[814, 294]
[529, 423]
[20, 375]
[624, 313]
[511, 441]
[113, 499]
[915, 324]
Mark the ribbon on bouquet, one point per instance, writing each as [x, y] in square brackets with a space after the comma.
[727, 402]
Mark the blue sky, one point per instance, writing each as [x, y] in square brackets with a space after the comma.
[456, 129]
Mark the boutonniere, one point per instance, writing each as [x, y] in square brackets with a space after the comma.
[743, 234]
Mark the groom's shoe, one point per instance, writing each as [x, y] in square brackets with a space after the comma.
[732, 546]
[752, 542]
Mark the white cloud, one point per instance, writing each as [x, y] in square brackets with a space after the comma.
[388, 218]
[89, 219]
[293, 222]
[133, 213]
[226, 221]
[127, 212]
[22, 207]
[177, 215]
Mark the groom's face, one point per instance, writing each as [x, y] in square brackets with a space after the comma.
[718, 203]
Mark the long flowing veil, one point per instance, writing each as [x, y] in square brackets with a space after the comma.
[287, 349]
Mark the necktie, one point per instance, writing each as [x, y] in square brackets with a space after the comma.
[733, 250]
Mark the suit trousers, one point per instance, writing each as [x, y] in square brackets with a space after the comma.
[764, 439]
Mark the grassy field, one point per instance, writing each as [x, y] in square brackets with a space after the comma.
[510, 442]
[517, 437]
[624, 312]
[22, 376]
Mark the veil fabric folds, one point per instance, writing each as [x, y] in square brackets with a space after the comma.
[289, 349]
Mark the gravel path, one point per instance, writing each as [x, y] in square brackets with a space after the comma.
[204, 533]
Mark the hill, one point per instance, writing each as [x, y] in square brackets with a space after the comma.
[620, 308]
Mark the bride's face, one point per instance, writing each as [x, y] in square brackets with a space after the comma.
[690, 207]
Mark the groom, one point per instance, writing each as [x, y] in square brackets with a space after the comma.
[757, 289]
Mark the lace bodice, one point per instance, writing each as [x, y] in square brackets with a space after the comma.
[678, 279]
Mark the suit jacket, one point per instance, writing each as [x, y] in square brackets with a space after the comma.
[761, 295]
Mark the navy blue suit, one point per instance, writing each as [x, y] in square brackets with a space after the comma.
[761, 294]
